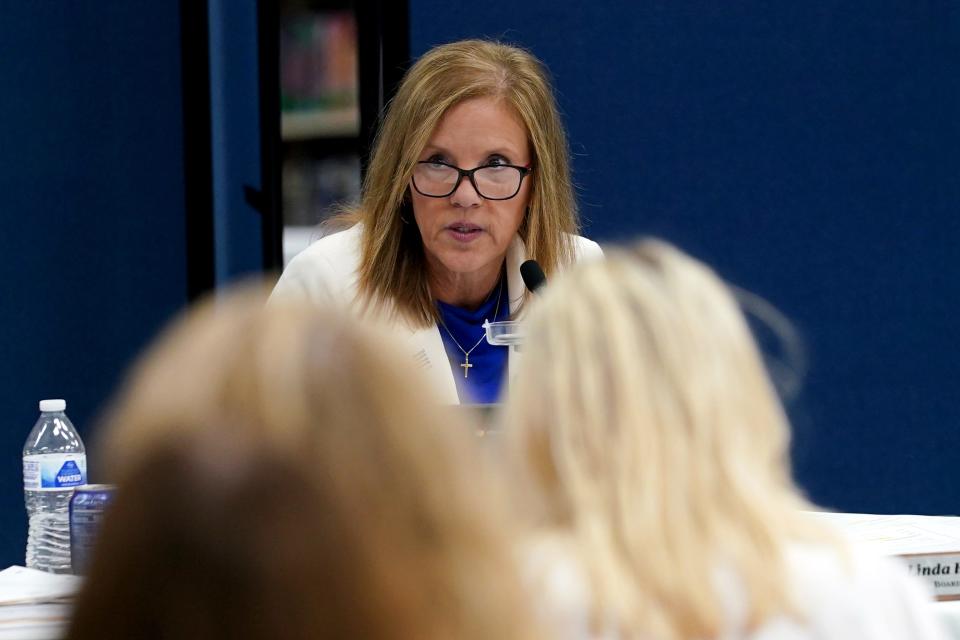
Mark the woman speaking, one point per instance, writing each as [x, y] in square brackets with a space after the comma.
[469, 177]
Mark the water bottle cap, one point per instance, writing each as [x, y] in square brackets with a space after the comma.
[52, 405]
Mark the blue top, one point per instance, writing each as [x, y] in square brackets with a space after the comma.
[488, 363]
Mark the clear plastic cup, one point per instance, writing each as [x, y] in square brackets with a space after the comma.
[504, 333]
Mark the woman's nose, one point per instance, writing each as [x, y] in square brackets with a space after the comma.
[465, 195]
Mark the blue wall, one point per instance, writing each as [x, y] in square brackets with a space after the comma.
[235, 124]
[809, 152]
[93, 241]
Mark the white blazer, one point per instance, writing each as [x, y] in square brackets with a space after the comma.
[326, 273]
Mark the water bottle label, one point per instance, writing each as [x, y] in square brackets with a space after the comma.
[53, 471]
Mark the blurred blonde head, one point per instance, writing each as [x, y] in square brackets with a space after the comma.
[651, 433]
[394, 473]
[393, 265]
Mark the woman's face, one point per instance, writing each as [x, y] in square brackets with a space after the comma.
[464, 234]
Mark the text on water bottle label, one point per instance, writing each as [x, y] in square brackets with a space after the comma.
[53, 471]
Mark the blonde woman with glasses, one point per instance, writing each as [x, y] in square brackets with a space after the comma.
[469, 178]
[657, 453]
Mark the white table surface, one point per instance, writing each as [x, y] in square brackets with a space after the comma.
[949, 613]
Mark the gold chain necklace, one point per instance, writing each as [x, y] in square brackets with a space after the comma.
[466, 354]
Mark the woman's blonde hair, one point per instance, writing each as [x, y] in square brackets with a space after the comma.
[398, 472]
[650, 431]
[392, 262]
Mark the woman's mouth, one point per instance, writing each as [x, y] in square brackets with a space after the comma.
[464, 231]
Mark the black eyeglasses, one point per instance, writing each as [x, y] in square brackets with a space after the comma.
[436, 179]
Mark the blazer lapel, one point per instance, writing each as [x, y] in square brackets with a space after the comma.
[517, 292]
[429, 355]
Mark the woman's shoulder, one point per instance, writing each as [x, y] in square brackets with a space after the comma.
[584, 248]
[558, 581]
[556, 576]
[333, 248]
[852, 593]
[325, 270]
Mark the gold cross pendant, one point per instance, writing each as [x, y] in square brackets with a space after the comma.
[466, 367]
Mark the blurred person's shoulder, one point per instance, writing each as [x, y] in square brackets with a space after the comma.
[551, 564]
[871, 595]
[558, 581]
[849, 593]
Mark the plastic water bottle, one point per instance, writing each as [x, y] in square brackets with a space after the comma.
[54, 461]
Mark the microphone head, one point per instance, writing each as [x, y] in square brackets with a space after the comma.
[532, 275]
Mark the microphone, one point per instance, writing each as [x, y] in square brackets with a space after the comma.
[532, 275]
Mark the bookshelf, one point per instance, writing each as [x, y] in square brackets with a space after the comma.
[319, 115]
[319, 124]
